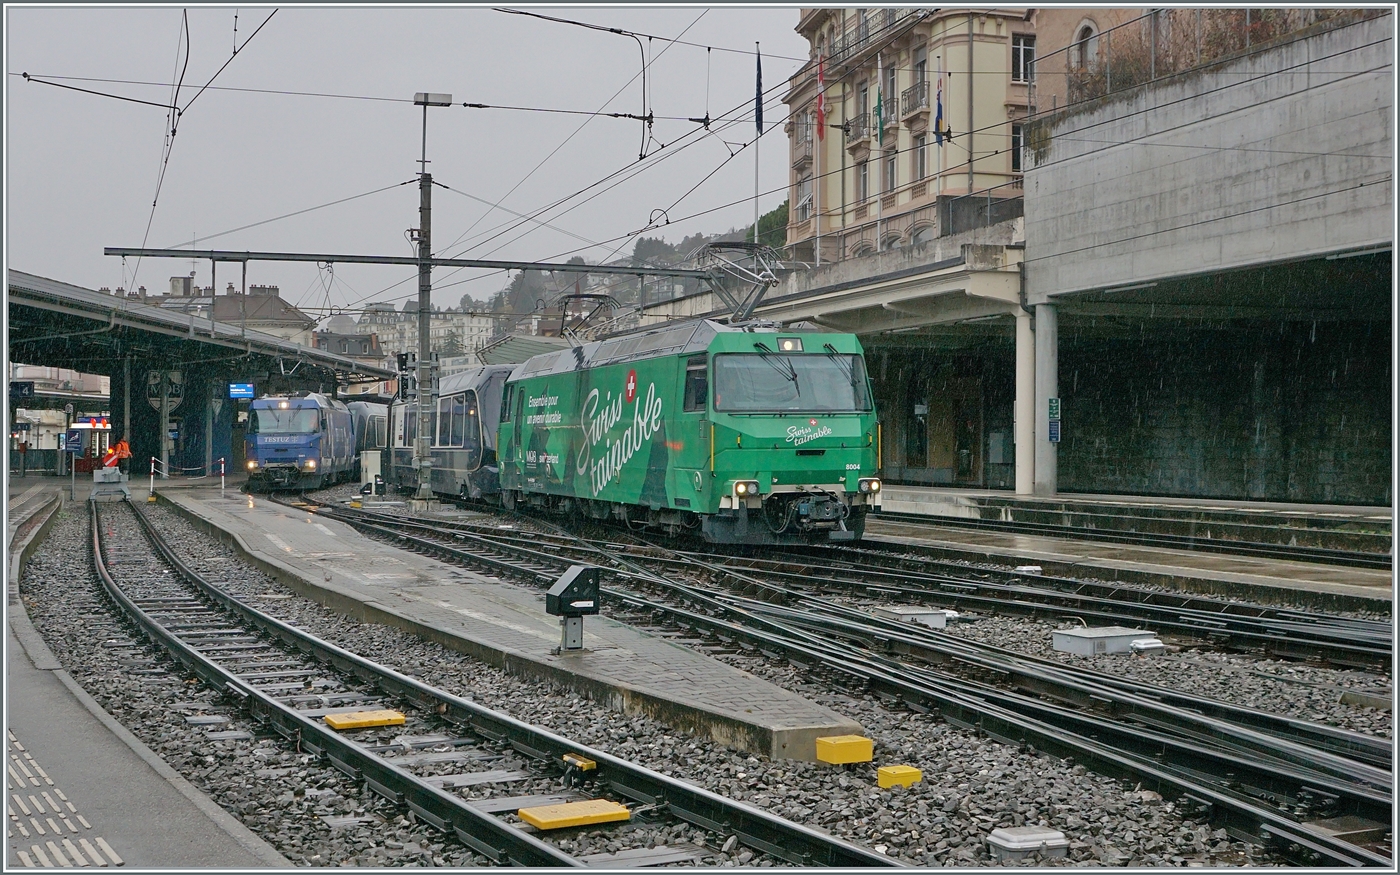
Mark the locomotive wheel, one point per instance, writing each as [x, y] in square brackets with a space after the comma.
[508, 499]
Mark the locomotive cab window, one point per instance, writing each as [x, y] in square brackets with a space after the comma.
[697, 385]
[506, 404]
[770, 382]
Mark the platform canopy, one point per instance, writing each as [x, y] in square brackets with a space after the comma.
[55, 324]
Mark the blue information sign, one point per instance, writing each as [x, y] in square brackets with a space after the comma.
[1054, 431]
[73, 442]
[240, 390]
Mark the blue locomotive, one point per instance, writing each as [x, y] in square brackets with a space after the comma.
[303, 441]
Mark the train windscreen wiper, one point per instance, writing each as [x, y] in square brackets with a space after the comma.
[779, 364]
[843, 362]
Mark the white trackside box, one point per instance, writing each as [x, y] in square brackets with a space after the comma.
[1094, 642]
[935, 617]
[369, 466]
[1019, 842]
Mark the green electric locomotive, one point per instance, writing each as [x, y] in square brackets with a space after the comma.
[748, 434]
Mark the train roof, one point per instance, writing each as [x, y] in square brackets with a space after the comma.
[680, 339]
[308, 399]
[471, 378]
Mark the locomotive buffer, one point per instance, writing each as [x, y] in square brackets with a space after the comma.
[572, 596]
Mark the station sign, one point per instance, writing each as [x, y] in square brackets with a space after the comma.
[21, 390]
[240, 390]
[1054, 431]
[1054, 408]
[73, 441]
[22, 426]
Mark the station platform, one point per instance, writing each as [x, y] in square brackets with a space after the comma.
[81, 791]
[1327, 587]
[506, 625]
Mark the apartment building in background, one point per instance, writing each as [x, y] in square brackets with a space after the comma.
[923, 123]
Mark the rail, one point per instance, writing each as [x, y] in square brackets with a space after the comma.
[754, 827]
[1011, 717]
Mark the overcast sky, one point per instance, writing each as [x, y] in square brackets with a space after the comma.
[81, 169]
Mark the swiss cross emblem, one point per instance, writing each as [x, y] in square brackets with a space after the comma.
[631, 386]
[811, 422]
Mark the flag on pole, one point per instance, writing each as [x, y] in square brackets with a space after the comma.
[821, 98]
[938, 114]
[879, 99]
[758, 93]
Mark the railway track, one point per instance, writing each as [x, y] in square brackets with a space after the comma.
[1263, 783]
[1201, 543]
[447, 747]
[902, 574]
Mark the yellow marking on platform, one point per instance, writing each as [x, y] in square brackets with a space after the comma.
[68, 823]
[905, 776]
[26, 859]
[85, 824]
[107, 849]
[52, 804]
[838, 749]
[38, 806]
[37, 828]
[574, 814]
[92, 852]
[22, 831]
[74, 852]
[53, 826]
[20, 803]
[364, 719]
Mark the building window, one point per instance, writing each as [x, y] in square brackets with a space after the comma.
[862, 98]
[920, 66]
[1085, 47]
[862, 181]
[1017, 144]
[804, 199]
[920, 157]
[891, 175]
[890, 93]
[1022, 57]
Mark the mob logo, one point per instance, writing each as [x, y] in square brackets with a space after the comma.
[631, 386]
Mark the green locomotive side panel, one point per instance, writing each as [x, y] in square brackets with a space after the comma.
[675, 430]
[599, 433]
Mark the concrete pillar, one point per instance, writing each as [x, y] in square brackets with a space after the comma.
[1047, 386]
[209, 428]
[1025, 404]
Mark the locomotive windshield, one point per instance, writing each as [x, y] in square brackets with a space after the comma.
[769, 382]
[275, 420]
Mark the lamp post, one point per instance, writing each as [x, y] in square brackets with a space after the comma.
[421, 458]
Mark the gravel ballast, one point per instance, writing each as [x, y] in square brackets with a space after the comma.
[970, 785]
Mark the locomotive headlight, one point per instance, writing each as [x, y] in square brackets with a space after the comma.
[745, 488]
[252, 464]
[870, 484]
[309, 464]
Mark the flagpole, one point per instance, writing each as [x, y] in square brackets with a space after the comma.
[758, 123]
[817, 177]
[880, 151]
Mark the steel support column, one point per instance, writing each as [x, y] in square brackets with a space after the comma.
[1025, 431]
[1047, 386]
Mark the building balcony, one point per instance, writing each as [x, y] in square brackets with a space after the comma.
[857, 130]
[801, 152]
[891, 112]
[914, 100]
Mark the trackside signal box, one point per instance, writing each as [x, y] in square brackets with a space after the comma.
[573, 595]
